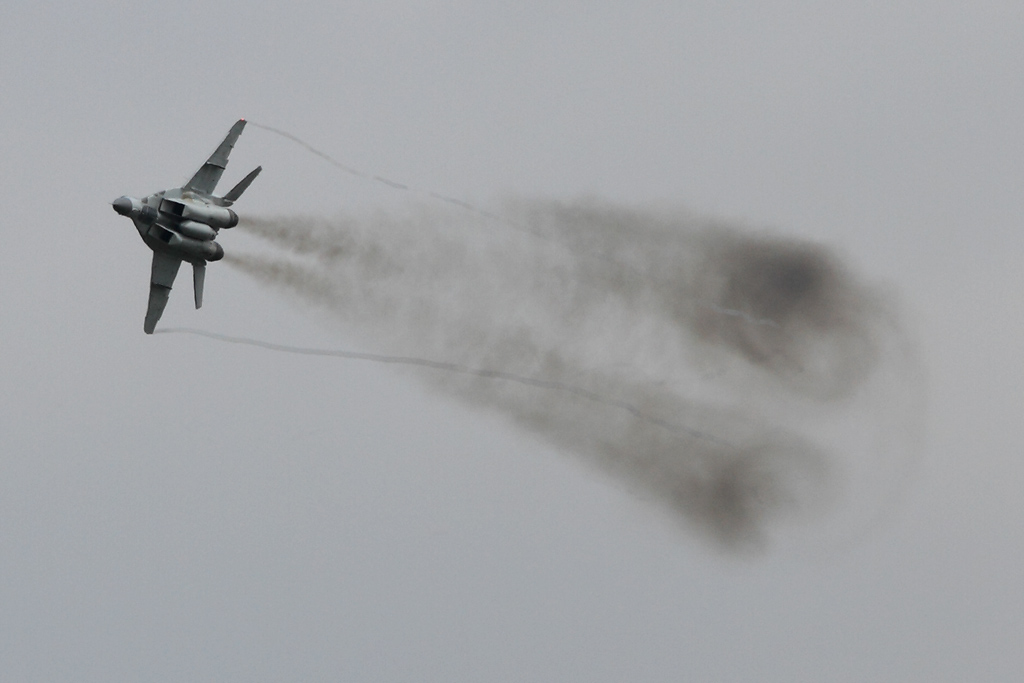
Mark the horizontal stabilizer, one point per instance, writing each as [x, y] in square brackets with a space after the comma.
[243, 185]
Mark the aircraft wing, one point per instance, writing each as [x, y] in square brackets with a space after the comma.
[206, 178]
[165, 269]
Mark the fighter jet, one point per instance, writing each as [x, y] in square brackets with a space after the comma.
[182, 225]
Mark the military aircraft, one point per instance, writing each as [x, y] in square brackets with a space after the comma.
[182, 225]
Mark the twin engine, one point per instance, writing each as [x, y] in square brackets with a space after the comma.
[198, 221]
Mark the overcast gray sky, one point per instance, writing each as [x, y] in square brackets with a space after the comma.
[174, 509]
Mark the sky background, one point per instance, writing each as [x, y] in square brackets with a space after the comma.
[176, 509]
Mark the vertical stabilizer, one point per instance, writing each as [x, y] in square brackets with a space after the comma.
[198, 278]
[238, 189]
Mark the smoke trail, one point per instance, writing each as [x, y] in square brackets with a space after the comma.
[689, 359]
[789, 309]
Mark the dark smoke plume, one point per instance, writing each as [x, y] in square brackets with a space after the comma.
[684, 357]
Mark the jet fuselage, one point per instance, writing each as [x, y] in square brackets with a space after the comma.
[181, 224]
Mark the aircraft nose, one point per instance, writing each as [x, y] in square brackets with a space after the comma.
[122, 205]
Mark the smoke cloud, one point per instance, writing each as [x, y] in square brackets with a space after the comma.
[693, 361]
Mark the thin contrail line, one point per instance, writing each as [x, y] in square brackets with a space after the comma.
[329, 159]
[394, 184]
[452, 367]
